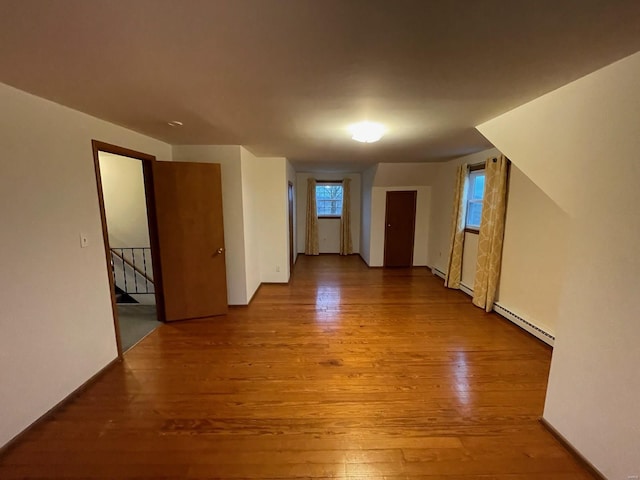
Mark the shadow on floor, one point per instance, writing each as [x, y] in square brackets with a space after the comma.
[136, 322]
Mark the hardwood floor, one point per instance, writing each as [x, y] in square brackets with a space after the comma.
[347, 372]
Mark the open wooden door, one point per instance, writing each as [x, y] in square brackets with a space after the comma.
[188, 207]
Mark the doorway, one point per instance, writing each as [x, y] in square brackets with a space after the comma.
[292, 257]
[124, 187]
[399, 232]
[183, 202]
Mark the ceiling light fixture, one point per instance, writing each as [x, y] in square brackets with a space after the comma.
[367, 132]
[175, 123]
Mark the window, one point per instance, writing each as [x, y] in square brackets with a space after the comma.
[475, 195]
[329, 199]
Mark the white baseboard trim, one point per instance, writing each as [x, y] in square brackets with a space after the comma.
[438, 273]
[533, 329]
[514, 318]
[466, 289]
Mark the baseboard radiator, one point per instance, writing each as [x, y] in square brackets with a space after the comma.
[526, 325]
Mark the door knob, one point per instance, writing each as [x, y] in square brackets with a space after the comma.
[220, 250]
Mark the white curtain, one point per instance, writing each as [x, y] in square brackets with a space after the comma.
[458, 222]
[311, 246]
[494, 208]
[346, 246]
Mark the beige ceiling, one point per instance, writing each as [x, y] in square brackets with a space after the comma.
[286, 77]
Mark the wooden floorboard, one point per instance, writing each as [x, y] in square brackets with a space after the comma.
[346, 372]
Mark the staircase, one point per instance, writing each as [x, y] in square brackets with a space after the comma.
[133, 275]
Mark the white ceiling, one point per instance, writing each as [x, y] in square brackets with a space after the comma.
[286, 77]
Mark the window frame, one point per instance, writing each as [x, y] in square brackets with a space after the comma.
[328, 182]
[474, 171]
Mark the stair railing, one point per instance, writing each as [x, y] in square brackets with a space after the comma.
[137, 262]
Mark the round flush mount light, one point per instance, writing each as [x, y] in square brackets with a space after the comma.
[175, 123]
[367, 132]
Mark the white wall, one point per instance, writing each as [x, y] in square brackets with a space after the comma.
[48, 196]
[399, 174]
[228, 156]
[125, 203]
[421, 236]
[251, 193]
[469, 259]
[580, 145]
[328, 228]
[291, 177]
[267, 226]
[273, 220]
[368, 177]
[534, 254]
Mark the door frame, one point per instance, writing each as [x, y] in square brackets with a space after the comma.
[147, 172]
[291, 206]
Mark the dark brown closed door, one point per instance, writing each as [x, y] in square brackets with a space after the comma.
[188, 199]
[400, 223]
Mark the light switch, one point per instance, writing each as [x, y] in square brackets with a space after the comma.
[84, 240]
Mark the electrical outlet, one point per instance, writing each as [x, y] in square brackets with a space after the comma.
[84, 240]
[277, 268]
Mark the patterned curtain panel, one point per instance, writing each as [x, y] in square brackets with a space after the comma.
[346, 246]
[458, 221]
[311, 232]
[491, 233]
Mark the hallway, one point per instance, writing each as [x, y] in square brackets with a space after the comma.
[346, 372]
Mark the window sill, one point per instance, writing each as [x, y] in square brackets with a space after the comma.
[328, 216]
[472, 230]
